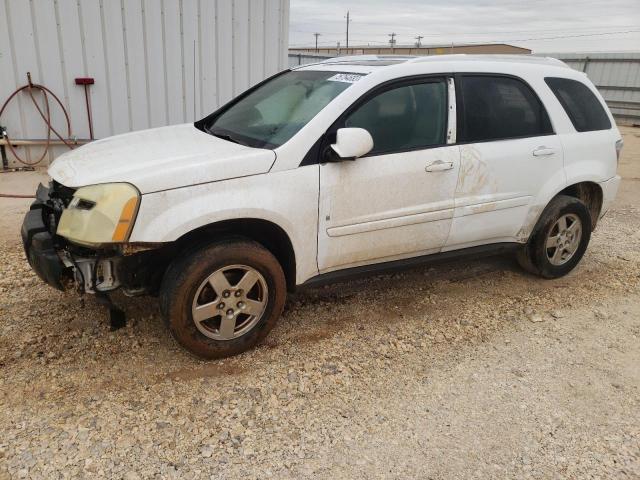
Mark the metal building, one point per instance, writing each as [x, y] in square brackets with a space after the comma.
[413, 50]
[154, 62]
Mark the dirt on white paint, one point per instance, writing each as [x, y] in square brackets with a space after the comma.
[471, 369]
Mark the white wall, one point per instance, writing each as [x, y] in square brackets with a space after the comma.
[141, 54]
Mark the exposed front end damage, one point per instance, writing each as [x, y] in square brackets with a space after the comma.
[100, 270]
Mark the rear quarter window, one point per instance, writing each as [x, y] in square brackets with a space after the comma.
[583, 108]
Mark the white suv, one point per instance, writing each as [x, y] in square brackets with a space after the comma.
[348, 166]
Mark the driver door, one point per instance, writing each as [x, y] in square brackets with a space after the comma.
[398, 200]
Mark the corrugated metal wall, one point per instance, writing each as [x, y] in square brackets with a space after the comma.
[617, 77]
[155, 62]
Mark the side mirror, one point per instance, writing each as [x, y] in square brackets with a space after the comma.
[352, 143]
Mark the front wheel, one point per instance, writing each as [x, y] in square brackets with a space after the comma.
[224, 298]
[559, 239]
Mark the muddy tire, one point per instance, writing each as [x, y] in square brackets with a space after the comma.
[224, 298]
[559, 239]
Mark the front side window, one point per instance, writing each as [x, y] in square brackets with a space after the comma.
[499, 108]
[404, 118]
[277, 110]
[583, 108]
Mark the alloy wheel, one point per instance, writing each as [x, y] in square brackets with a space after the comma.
[564, 239]
[229, 302]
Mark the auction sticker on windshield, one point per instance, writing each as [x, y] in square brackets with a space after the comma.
[345, 77]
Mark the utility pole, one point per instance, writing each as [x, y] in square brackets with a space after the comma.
[317, 35]
[392, 41]
[348, 31]
[418, 43]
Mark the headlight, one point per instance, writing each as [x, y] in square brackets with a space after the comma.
[100, 214]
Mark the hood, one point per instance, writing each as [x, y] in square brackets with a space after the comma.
[159, 159]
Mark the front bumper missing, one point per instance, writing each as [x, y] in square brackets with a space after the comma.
[52, 258]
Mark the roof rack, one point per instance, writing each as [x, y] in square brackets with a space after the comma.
[491, 58]
[383, 60]
[369, 58]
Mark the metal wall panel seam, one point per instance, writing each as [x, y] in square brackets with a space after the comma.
[12, 49]
[183, 73]
[215, 50]
[199, 114]
[164, 61]
[106, 67]
[264, 39]
[36, 42]
[127, 74]
[82, 38]
[234, 44]
[146, 61]
[249, 49]
[284, 35]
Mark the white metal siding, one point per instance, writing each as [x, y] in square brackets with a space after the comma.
[155, 62]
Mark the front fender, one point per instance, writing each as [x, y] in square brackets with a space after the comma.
[288, 199]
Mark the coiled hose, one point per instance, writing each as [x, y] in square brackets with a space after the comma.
[30, 87]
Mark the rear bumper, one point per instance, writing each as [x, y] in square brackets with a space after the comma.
[39, 247]
[609, 191]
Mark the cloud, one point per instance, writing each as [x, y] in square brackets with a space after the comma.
[536, 24]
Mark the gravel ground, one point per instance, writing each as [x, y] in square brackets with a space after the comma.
[468, 370]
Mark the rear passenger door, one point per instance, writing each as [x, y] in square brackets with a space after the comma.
[508, 152]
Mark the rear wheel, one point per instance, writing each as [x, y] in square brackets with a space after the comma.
[559, 239]
[223, 299]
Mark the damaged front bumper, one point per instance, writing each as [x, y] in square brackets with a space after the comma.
[40, 249]
[64, 266]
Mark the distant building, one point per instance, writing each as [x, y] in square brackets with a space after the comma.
[413, 50]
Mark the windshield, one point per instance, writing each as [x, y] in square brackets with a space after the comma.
[277, 110]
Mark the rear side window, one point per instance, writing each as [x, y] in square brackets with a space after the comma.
[582, 106]
[498, 108]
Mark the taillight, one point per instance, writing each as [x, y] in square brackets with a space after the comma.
[619, 145]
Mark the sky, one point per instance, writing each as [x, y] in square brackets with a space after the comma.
[541, 25]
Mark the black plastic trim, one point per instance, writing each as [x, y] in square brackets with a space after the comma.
[407, 263]
[39, 244]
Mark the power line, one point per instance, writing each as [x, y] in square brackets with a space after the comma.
[317, 35]
[418, 38]
[348, 28]
[392, 41]
[570, 36]
[450, 33]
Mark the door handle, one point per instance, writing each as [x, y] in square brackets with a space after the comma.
[543, 152]
[439, 166]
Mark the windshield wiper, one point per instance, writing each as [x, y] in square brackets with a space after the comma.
[225, 136]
